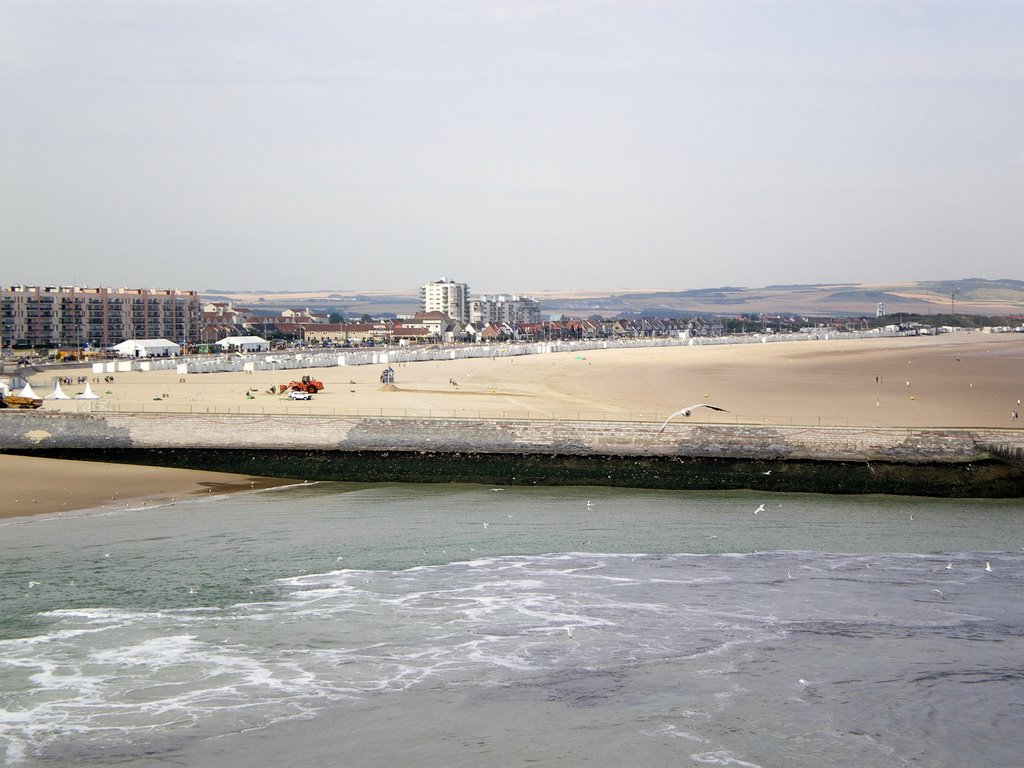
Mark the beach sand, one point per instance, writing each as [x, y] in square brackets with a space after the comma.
[955, 380]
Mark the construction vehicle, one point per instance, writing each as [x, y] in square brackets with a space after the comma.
[16, 401]
[307, 384]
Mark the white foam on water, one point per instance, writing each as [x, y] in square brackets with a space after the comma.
[722, 757]
[114, 675]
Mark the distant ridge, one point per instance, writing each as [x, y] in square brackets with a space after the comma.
[973, 295]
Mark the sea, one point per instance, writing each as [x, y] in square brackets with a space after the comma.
[397, 625]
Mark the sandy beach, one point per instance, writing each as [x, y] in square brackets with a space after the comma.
[952, 380]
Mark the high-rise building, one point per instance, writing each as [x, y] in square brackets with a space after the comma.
[446, 296]
[68, 316]
[504, 309]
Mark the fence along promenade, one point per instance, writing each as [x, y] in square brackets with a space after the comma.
[314, 408]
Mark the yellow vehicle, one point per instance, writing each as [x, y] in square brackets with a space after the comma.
[16, 401]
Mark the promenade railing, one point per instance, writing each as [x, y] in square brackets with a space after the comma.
[312, 408]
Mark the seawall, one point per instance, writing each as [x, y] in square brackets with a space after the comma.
[937, 462]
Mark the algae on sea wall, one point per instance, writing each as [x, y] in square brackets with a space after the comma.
[987, 478]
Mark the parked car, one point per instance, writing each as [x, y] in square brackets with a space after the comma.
[299, 394]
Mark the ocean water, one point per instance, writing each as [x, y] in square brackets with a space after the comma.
[404, 625]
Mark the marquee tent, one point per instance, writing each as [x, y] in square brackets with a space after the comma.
[243, 344]
[57, 394]
[147, 348]
[87, 394]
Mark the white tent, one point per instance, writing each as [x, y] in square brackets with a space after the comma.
[88, 394]
[57, 394]
[244, 344]
[147, 348]
[27, 391]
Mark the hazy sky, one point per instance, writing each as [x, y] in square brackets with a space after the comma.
[515, 146]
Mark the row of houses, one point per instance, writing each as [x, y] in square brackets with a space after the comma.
[437, 327]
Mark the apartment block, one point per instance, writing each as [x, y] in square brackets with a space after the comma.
[446, 296]
[69, 316]
[501, 308]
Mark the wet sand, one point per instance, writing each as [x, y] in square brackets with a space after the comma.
[34, 486]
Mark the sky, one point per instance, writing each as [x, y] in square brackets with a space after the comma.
[514, 146]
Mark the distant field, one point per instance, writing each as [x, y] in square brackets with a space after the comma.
[972, 296]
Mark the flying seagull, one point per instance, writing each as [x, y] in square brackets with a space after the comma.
[688, 411]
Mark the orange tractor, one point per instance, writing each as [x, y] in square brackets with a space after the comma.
[307, 384]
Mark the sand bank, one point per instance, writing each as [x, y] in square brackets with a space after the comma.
[38, 486]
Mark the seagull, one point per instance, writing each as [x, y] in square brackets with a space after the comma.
[688, 411]
[568, 632]
[988, 566]
[939, 593]
[590, 504]
[767, 473]
[949, 566]
[759, 509]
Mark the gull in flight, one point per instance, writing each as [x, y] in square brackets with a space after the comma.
[759, 509]
[688, 411]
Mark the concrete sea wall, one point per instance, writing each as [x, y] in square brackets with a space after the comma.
[942, 462]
